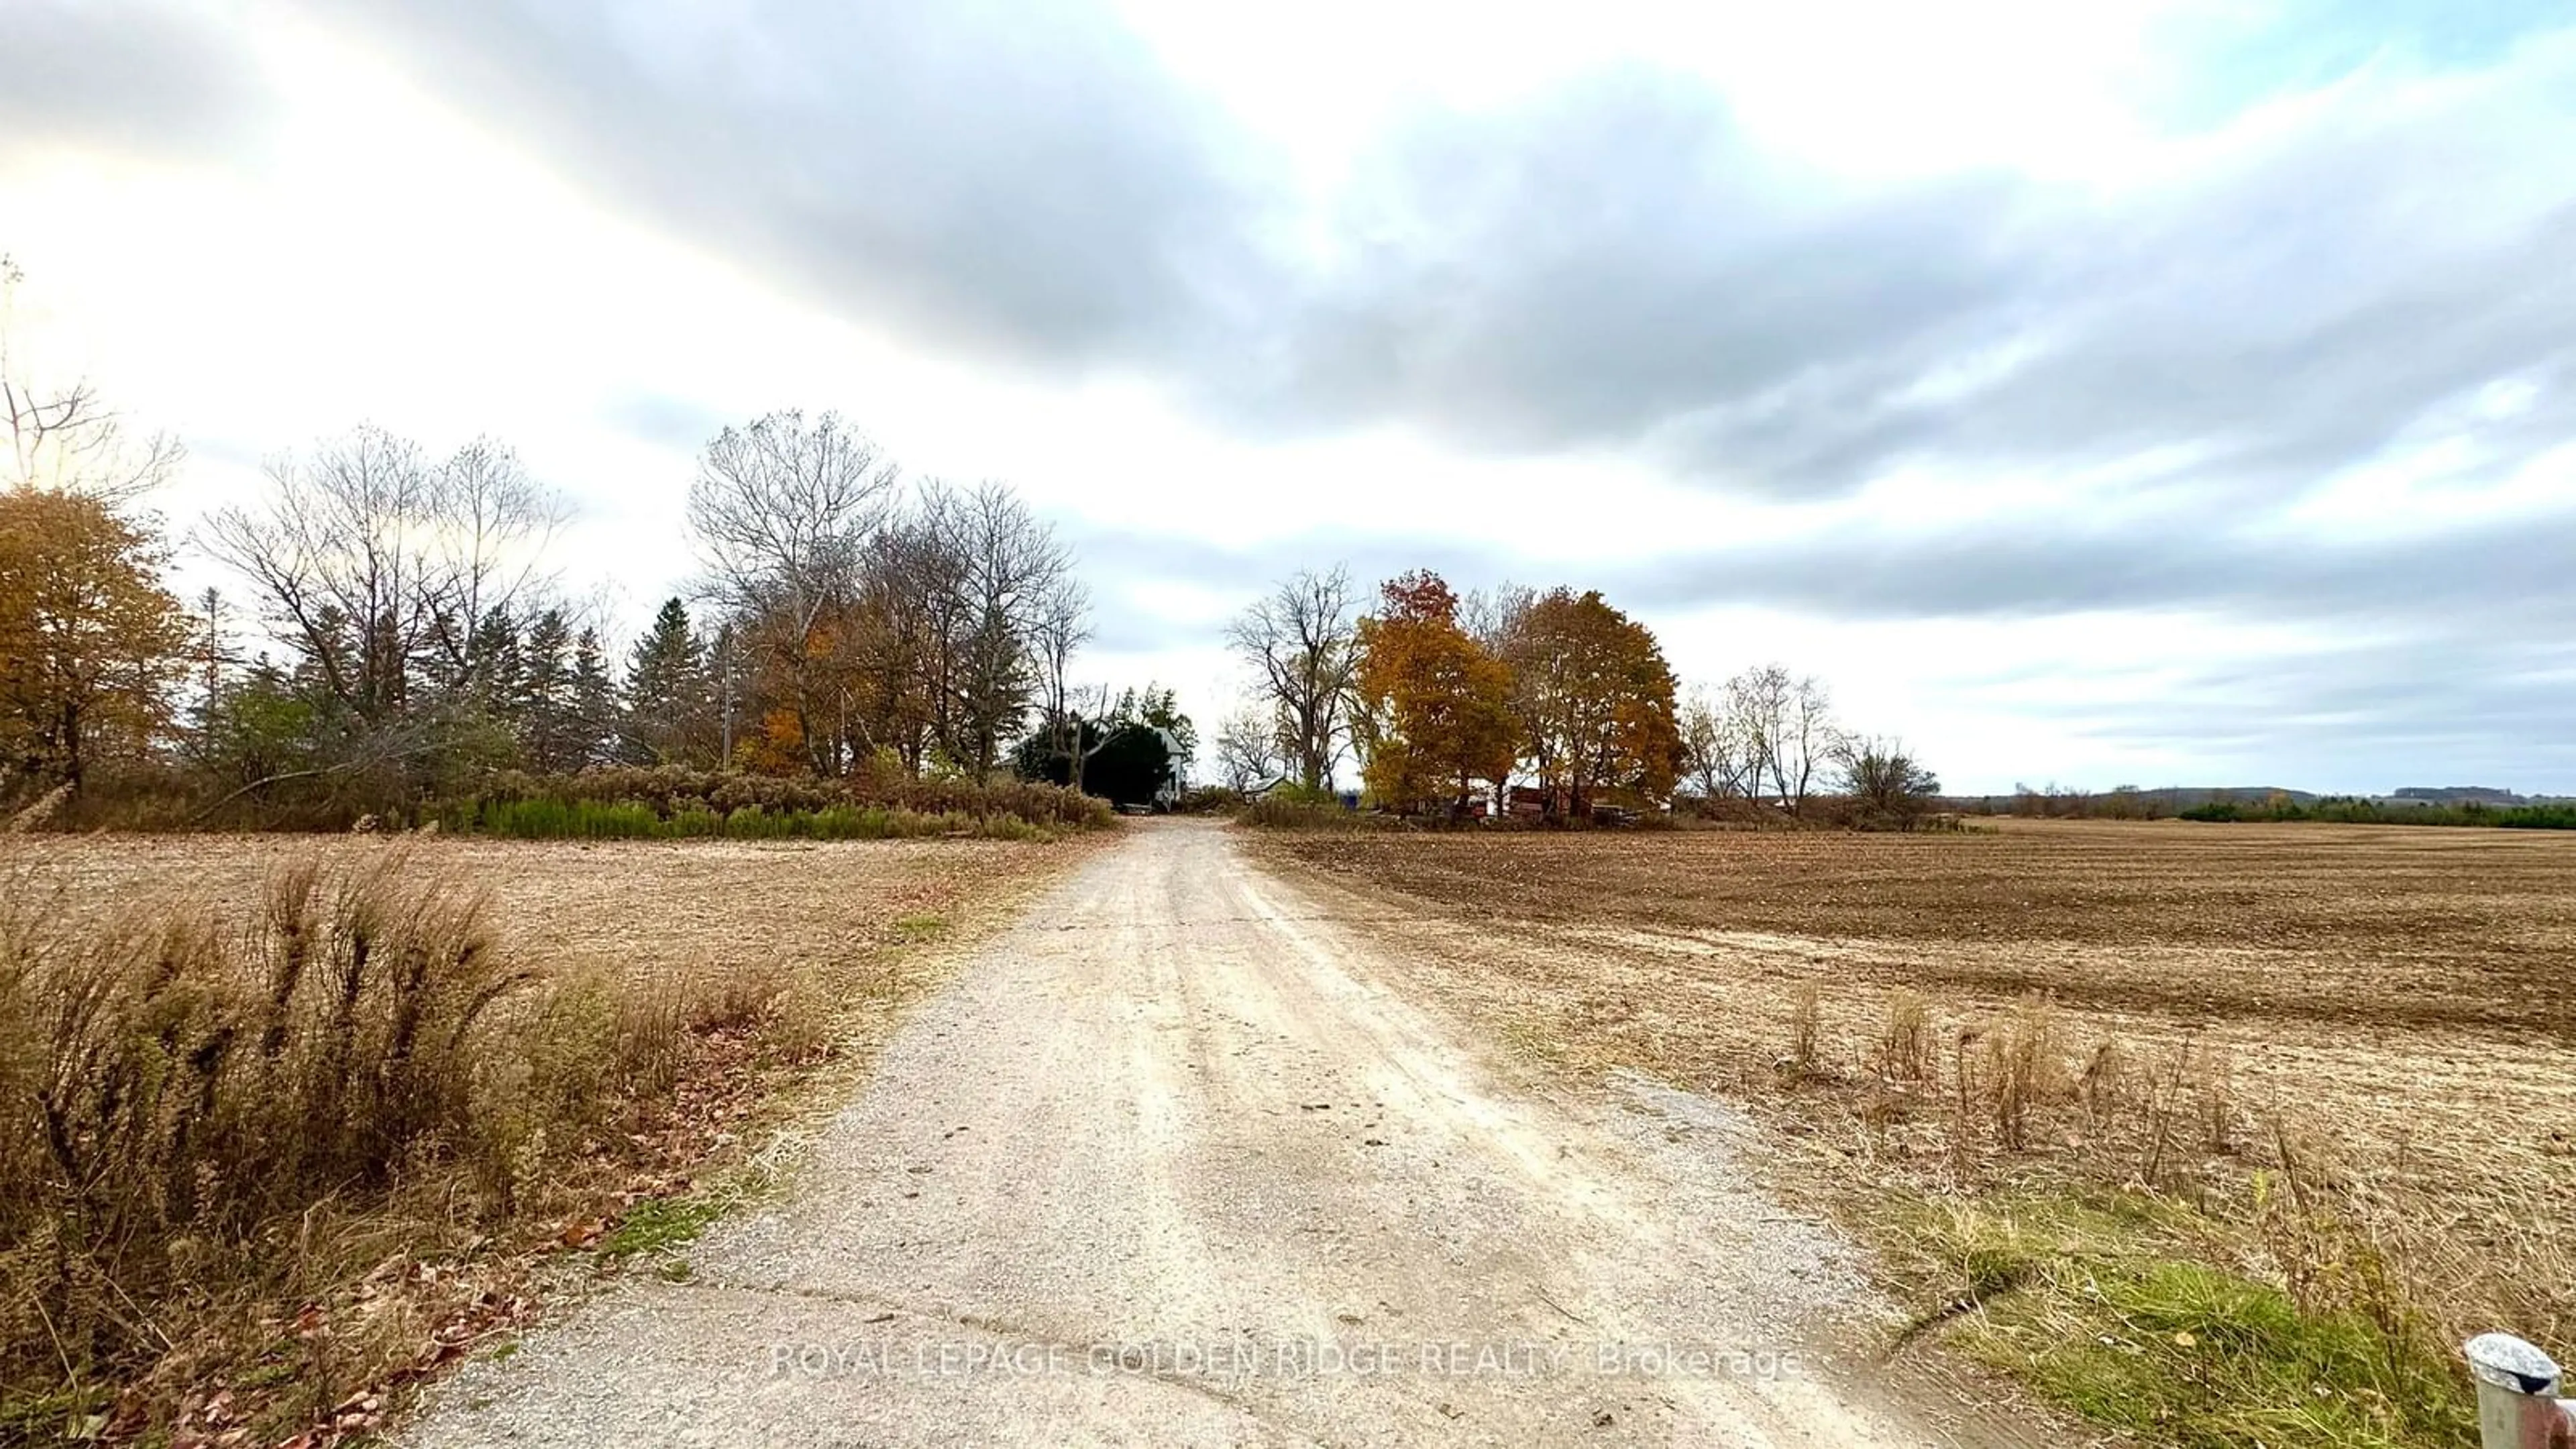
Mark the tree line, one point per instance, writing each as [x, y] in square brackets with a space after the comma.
[848, 622]
[1440, 698]
[413, 637]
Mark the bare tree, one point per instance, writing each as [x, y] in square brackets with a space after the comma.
[66, 437]
[1785, 724]
[1063, 624]
[1809, 741]
[782, 511]
[1247, 747]
[1757, 710]
[1089, 704]
[1009, 566]
[1299, 641]
[781, 503]
[897, 632]
[1718, 755]
[368, 560]
[1499, 620]
[496, 522]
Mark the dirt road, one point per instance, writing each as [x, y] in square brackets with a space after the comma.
[1170, 1162]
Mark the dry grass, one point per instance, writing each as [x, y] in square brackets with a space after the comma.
[1806, 1024]
[2341, 1055]
[284, 1127]
[1909, 1050]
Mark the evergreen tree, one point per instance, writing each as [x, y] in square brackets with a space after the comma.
[548, 732]
[1161, 708]
[492, 667]
[666, 694]
[1125, 760]
[594, 702]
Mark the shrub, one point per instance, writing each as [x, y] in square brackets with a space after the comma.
[2022, 1057]
[1209, 800]
[658, 804]
[1280, 811]
[608, 804]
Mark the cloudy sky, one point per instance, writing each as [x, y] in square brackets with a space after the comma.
[2128, 391]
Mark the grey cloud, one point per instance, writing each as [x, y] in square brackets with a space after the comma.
[1619, 260]
[1618, 269]
[2511, 574]
[1119, 627]
[2449, 652]
[2367, 718]
[2506, 578]
[1110, 555]
[1613, 266]
[151, 76]
[1017, 179]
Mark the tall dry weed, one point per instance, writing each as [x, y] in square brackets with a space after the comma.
[2023, 1068]
[2103, 1084]
[1908, 1049]
[2216, 1097]
[180, 1097]
[1806, 1028]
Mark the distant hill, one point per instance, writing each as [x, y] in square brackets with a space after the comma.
[2463, 801]
[2460, 795]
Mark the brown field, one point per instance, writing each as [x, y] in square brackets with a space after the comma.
[687, 1002]
[2387, 1006]
[664, 908]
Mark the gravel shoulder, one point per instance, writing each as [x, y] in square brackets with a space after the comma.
[1169, 1161]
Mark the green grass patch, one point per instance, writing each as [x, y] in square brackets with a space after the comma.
[79, 1413]
[926, 926]
[2122, 1309]
[658, 1225]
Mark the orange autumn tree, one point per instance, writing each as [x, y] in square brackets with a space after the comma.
[1434, 707]
[90, 642]
[1595, 702]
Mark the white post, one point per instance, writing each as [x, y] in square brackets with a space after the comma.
[2518, 1403]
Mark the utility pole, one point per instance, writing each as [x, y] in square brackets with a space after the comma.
[724, 676]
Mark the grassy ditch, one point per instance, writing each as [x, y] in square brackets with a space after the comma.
[2115, 1306]
[2120, 1229]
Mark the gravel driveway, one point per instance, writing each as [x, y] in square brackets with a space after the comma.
[1170, 1162]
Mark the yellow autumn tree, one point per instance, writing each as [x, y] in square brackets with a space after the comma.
[91, 644]
[1434, 706]
[1595, 701]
